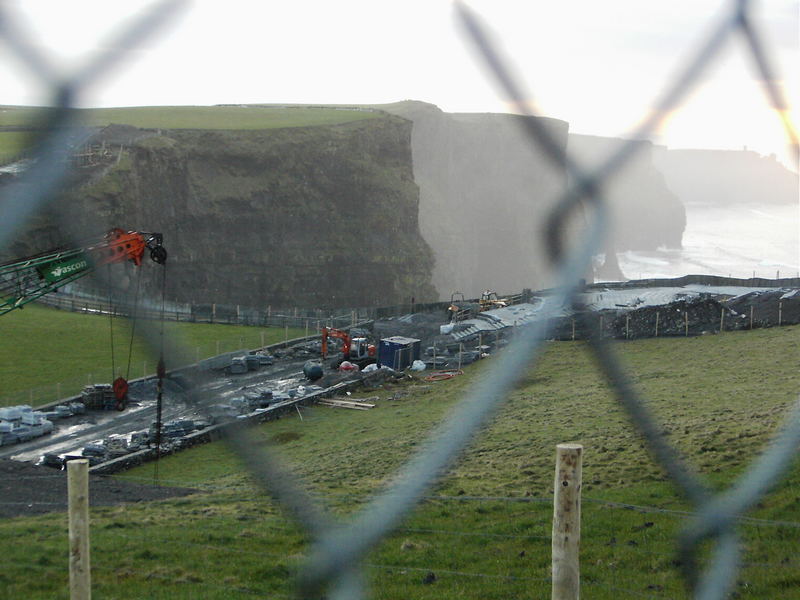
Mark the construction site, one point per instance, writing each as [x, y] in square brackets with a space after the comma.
[352, 346]
[124, 423]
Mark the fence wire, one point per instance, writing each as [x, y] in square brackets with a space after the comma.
[336, 563]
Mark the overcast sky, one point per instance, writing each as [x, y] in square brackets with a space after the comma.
[597, 64]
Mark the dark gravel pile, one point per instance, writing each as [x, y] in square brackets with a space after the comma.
[421, 326]
[767, 306]
[704, 315]
[26, 489]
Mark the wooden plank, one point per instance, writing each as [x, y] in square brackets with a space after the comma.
[347, 404]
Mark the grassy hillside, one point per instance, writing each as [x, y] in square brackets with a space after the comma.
[178, 117]
[11, 142]
[41, 347]
[199, 117]
[484, 532]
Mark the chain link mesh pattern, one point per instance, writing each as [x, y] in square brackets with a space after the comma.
[340, 548]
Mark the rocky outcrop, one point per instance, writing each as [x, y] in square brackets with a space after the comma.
[726, 177]
[484, 192]
[645, 213]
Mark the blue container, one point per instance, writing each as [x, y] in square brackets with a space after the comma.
[398, 352]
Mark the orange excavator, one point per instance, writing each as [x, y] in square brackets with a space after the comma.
[356, 350]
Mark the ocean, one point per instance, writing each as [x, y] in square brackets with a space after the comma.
[738, 241]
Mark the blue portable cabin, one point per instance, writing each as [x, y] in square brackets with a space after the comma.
[398, 352]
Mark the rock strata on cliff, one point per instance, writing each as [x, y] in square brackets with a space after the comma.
[484, 192]
[323, 216]
[645, 213]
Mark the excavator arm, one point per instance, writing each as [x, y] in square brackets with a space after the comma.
[336, 333]
[24, 280]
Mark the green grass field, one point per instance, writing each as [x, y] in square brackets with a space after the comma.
[179, 117]
[43, 347]
[11, 143]
[484, 531]
[199, 117]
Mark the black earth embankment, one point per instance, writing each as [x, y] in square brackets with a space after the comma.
[697, 316]
[30, 490]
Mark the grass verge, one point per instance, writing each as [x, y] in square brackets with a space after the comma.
[200, 117]
[47, 353]
[484, 531]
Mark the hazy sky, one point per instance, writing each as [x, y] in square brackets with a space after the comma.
[596, 64]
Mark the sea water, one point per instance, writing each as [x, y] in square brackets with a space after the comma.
[738, 241]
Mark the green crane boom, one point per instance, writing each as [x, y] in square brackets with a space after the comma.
[24, 280]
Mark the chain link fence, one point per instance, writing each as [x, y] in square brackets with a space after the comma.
[336, 561]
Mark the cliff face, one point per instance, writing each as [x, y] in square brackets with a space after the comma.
[645, 213]
[323, 216]
[726, 177]
[484, 190]
[371, 212]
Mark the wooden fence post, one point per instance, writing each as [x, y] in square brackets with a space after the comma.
[573, 330]
[80, 587]
[262, 339]
[567, 522]
[686, 323]
[780, 311]
[751, 316]
[657, 314]
[721, 320]
[627, 327]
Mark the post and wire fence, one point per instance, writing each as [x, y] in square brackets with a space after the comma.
[336, 561]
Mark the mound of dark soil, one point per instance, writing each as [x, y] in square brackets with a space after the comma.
[26, 489]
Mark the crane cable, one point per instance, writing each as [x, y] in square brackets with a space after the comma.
[118, 384]
[111, 326]
[133, 321]
[160, 373]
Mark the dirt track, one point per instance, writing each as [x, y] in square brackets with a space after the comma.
[26, 489]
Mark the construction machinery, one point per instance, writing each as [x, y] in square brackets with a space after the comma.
[357, 350]
[461, 309]
[489, 301]
[24, 280]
